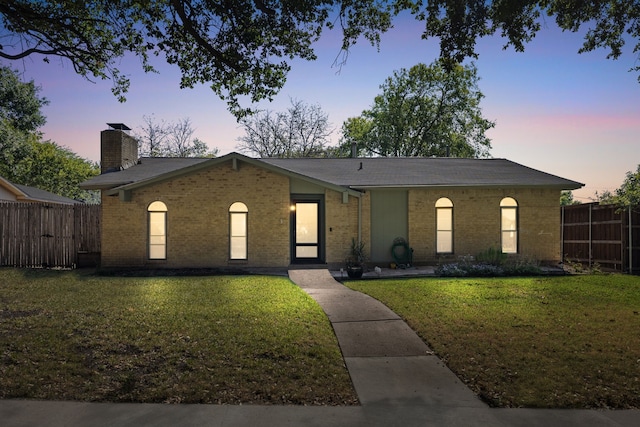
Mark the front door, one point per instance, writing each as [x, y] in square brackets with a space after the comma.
[306, 231]
[389, 219]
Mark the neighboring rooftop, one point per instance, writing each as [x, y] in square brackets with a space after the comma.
[24, 193]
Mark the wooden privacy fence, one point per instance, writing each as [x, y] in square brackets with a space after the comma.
[604, 234]
[47, 235]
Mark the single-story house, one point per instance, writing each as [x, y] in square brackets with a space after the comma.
[10, 192]
[239, 211]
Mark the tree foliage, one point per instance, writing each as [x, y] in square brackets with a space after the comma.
[302, 130]
[566, 199]
[20, 103]
[26, 159]
[243, 48]
[423, 111]
[56, 169]
[171, 139]
[628, 194]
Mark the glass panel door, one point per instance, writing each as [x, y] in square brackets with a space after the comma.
[306, 234]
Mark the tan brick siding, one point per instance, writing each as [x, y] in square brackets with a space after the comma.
[476, 218]
[198, 219]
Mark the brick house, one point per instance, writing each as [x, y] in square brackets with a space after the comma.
[239, 211]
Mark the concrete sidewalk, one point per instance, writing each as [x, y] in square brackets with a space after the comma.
[398, 380]
[395, 372]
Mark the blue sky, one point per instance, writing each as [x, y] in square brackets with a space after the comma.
[569, 114]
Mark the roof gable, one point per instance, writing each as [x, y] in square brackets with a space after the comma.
[150, 171]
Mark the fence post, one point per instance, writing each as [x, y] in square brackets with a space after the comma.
[630, 243]
[590, 234]
[562, 234]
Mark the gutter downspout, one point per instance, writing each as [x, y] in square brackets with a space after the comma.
[590, 235]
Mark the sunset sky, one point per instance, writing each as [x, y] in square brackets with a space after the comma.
[569, 114]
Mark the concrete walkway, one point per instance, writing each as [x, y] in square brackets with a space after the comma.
[398, 380]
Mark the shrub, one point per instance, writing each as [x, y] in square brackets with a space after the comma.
[517, 267]
[451, 270]
[492, 256]
[484, 270]
[523, 270]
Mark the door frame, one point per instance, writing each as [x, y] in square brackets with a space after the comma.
[308, 198]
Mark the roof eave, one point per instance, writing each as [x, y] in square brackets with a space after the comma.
[103, 186]
[572, 186]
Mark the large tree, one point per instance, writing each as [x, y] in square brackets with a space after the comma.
[171, 139]
[56, 169]
[243, 48]
[20, 102]
[20, 118]
[303, 130]
[24, 157]
[423, 111]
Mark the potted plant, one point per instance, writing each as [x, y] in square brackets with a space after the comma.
[356, 259]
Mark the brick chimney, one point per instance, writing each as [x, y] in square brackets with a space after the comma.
[118, 149]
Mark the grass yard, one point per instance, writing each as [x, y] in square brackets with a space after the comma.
[220, 339]
[557, 342]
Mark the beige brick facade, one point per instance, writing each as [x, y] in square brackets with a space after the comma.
[341, 224]
[476, 222]
[198, 220]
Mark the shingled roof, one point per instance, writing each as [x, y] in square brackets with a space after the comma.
[353, 173]
[147, 168]
[422, 172]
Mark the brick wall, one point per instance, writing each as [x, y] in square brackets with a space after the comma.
[341, 225]
[198, 219]
[476, 218]
[118, 150]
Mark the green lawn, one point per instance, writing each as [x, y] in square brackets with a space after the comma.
[225, 339]
[557, 342]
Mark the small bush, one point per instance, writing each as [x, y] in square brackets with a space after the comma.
[451, 270]
[492, 256]
[522, 268]
[576, 267]
[483, 269]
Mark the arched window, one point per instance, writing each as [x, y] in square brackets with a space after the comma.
[509, 225]
[238, 213]
[157, 217]
[444, 226]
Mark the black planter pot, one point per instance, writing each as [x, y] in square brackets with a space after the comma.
[355, 271]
